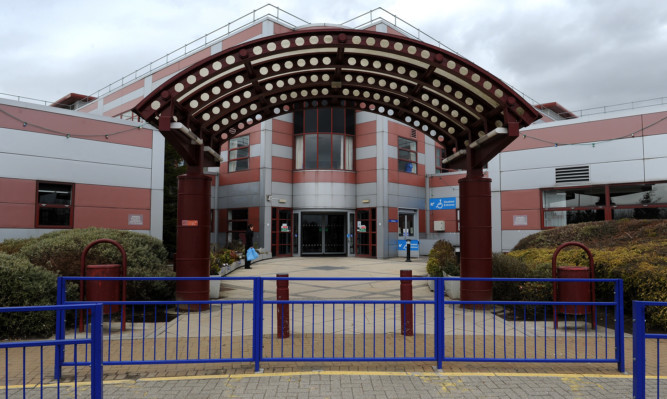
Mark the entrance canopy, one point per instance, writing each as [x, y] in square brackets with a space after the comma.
[470, 112]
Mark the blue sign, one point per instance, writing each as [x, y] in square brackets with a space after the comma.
[403, 245]
[442, 203]
[393, 220]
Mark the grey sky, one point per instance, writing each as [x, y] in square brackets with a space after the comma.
[580, 53]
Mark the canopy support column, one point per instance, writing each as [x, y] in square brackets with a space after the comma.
[476, 251]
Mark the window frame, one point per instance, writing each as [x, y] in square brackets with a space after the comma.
[606, 206]
[231, 160]
[409, 161]
[307, 130]
[240, 233]
[39, 206]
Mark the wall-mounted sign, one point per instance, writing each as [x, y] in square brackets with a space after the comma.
[392, 220]
[403, 245]
[135, 220]
[520, 220]
[190, 223]
[435, 204]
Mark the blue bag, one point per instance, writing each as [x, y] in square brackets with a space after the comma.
[251, 254]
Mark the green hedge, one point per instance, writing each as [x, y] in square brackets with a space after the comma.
[442, 259]
[24, 284]
[643, 268]
[60, 251]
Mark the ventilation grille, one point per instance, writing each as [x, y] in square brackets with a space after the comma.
[413, 133]
[572, 174]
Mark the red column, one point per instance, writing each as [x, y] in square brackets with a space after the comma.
[476, 254]
[406, 309]
[282, 294]
[193, 234]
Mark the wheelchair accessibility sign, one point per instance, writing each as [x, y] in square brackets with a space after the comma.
[402, 245]
[442, 203]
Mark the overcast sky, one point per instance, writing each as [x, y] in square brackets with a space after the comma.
[580, 53]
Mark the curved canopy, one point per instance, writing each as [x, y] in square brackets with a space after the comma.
[470, 112]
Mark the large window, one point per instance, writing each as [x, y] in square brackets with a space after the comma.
[324, 139]
[239, 153]
[54, 204]
[606, 202]
[407, 155]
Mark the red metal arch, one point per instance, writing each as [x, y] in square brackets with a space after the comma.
[437, 92]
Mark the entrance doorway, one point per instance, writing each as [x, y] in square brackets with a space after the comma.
[323, 234]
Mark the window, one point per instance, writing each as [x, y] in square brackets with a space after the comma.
[440, 154]
[237, 224]
[407, 155]
[54, 204]
[606, 202]
[239, 153]
[324, 139]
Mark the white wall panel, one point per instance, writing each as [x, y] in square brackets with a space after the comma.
[656, 169]
[157, 161]
[568, 155]
[616, 172]
[496, 222]
[512, 237]
[39, 168]
[527, 179]
[655, 146]
[59, 147]
[363, 117]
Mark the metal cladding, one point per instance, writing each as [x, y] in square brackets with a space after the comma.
[445, 96]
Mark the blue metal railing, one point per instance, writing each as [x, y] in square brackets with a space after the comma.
[367, 329]
[19, 374]
[639, 338]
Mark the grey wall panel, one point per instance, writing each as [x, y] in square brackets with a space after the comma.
[157, 161]
[496, 222]
[59, 147]
[281, 151]
[366, 189]
[512, 237]
[157, 213]
[324, 195]
[367, 152]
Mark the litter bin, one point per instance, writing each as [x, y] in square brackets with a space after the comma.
[103, 290]
[573, 291]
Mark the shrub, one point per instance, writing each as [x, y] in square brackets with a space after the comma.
[14, 245]
[60, 251]
[442, 260]
[222, 257]
[24, 284]
[509, 266]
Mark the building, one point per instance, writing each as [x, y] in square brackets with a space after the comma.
[64, 169]
[328, 180]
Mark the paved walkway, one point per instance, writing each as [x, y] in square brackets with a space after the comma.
[358, 379]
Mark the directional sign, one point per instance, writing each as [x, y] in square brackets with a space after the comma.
[442, 203]
[403, 245]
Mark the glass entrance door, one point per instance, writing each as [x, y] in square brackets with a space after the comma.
[323, 234]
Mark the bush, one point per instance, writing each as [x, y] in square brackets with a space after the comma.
[14, 245]
[24, 284]
[222, 257]
[642, 267]
[509, 266]
[442, 260]
[60, 251]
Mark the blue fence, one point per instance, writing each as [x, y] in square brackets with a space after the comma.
[253, 326]
[27, 364]
[642, 343]
[252, 329]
